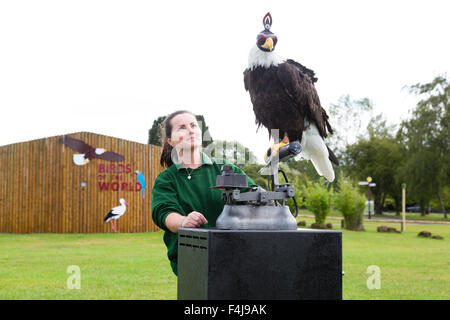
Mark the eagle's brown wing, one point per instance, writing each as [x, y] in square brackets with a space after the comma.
[303, 69]
[298, 83]
[108, 155]
[76, 144]
[246, 79]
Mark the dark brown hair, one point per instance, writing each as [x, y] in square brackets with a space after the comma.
[166, 132]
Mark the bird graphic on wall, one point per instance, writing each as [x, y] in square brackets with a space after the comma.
[284, 97]
[115, 213]
[141, 180]
[88, 152]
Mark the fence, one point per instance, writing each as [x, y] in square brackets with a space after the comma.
[42, 190]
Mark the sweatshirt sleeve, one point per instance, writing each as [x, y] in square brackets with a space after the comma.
[164, 200]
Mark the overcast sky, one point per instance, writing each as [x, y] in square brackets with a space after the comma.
[112, 67]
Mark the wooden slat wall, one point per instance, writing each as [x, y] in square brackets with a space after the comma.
[41, 191]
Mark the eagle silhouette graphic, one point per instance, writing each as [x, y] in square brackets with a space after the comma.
[87, 152]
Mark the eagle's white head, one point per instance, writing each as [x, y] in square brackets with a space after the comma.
[79, 159]
[258, 58]
[262, 54]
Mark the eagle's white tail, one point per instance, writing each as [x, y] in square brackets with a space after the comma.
[314, 149]
[323, 167]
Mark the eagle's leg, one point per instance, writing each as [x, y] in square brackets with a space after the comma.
[273, 150]
[276, 147]
[285, 139]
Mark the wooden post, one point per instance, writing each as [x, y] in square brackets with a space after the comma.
[369, 180]
[403, 207]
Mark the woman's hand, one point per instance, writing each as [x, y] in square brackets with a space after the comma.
[174, 221]
[193, 220]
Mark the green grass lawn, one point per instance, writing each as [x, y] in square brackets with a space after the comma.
[113, 266]
[411, 267]
[134, 266]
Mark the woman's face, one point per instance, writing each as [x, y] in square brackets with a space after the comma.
[186, 133]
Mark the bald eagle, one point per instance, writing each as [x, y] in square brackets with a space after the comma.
[284, 98]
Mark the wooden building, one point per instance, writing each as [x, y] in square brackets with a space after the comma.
[44, 189]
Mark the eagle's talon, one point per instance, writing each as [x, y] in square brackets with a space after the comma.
[273, 150]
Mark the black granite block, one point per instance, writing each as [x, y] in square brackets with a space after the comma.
[259, 264]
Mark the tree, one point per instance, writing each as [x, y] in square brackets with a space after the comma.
[251, 170]
[154, 134]
[307, 172]
[426, 138]
[379, 156]
[232, 151]
[206, 137]
[348, 119]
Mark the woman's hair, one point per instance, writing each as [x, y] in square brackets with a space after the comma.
[166, 132]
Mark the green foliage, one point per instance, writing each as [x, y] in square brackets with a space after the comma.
[317, 200]
[307, 172]
[426, 139]
[304, 179]
[206, 137]
[154, 134]
[445, 197]
[290, 202]
[305, 169]
[232, 151]
[293, 176]
[298, 180]
[347, 119]
[379, 156]
[351, 204]
[417, 155]
[251, 170]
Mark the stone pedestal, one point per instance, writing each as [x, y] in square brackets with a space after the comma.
[259, 264]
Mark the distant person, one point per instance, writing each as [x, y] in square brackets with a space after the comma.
[182, 194]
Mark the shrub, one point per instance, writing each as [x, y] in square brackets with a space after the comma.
[317, 199]
[351, 204]
[251, 170]
[298, 198]
[297, 181]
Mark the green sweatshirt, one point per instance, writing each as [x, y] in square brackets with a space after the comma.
[174, 192]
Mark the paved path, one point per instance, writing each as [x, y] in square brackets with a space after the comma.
[392, 220]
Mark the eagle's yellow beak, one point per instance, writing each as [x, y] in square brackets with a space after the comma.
[268, 44]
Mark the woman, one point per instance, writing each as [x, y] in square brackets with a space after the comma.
[182, 195]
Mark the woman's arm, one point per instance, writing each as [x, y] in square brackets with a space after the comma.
[174, 221]
[166, 210]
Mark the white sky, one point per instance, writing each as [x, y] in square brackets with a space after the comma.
[112, 67]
